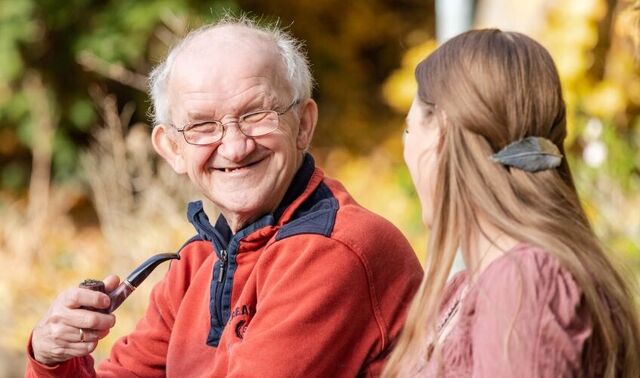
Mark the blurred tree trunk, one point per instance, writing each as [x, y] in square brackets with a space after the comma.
[453, 17]
[45, 123]
[525, 16]
[605, 34]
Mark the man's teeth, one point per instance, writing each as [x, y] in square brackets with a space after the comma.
[227, 170]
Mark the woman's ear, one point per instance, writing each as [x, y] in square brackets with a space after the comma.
[165, 143]
[308, 121]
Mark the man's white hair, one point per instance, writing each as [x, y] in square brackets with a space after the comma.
[290, 49]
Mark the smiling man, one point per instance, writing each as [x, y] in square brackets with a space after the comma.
[293, 279]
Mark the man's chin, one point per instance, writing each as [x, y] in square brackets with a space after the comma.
[243, 213]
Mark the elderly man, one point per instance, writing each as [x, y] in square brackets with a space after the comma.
[294, 278]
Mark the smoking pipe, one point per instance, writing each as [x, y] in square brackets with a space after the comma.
[130, 283]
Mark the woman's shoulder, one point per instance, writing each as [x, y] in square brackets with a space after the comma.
[530, 267]
[527, 299]
[533, 283]
[525, 255]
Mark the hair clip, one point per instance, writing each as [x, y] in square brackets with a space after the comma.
[531, 154]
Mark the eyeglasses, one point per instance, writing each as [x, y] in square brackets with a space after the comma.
[252, 124]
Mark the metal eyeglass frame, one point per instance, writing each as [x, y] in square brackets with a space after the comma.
[237, 122]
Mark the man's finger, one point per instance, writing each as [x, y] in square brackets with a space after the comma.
[87, 319]
[76, 297]
[63, 334]
[111, 282]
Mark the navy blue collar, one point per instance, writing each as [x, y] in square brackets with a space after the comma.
[221, 234]
[298, 185]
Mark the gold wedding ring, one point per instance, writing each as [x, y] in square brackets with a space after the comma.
[81, 335]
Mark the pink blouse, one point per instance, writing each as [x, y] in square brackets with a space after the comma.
[524, 317]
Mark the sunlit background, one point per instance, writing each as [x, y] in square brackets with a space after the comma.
[82, 194]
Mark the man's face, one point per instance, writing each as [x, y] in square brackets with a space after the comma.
[218, 78]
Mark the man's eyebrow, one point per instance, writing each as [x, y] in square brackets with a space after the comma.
[255, 104]
[261, 102]
[199, 116]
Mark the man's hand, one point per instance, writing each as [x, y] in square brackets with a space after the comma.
[67, 330]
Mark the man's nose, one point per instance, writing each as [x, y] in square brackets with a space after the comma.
[234, 145]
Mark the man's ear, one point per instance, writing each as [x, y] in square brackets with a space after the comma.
[165, 143]
[308, 121]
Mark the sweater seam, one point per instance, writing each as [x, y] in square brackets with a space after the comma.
[373, 298]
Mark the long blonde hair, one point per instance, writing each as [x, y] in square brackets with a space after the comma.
[496, 88]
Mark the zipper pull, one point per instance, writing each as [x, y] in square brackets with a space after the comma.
[223, 264]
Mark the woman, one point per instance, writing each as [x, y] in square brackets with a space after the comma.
[539, 298]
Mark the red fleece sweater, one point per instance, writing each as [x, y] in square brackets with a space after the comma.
[304, 305]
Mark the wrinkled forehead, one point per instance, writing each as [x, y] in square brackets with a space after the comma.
[226, 58]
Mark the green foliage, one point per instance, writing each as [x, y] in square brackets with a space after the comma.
[12, 176]
[16, 26]
[81, 114]
[120, 32]
[75, 46]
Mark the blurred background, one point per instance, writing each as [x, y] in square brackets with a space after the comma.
[82, 194]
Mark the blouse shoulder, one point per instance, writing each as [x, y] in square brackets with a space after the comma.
[527, 300]
[535, 273]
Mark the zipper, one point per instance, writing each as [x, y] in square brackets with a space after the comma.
[223, 265]
[222, 273]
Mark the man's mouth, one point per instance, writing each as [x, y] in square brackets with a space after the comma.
[239, 168]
